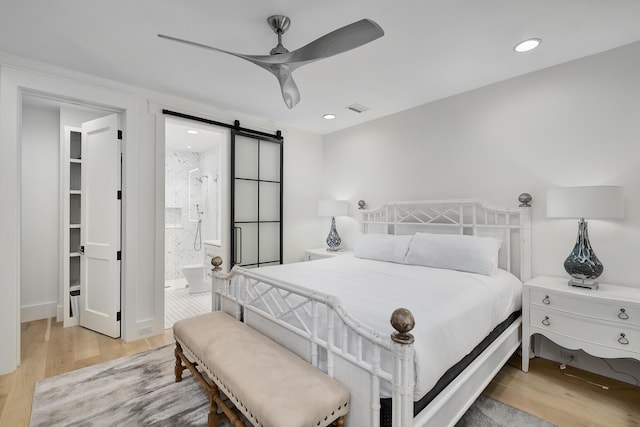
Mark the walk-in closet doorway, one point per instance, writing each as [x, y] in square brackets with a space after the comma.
[70, 214]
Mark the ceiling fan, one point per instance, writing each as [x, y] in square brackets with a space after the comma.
[281, 63]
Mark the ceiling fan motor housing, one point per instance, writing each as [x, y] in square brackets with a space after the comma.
[279, 23]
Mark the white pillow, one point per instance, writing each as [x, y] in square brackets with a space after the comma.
[455, 252]
[382, 247]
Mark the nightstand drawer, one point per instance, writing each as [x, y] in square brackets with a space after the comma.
[593, 307]
[586, 329]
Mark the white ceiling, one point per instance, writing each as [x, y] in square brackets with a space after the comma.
[178, 137]
[431, 48]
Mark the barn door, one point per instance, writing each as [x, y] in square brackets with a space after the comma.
[100, 226]
[256, 200]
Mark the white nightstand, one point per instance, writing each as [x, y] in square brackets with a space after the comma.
[311, 254]
[603, 322]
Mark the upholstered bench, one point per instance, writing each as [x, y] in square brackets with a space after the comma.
[269, 385]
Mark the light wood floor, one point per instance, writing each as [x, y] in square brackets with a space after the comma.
[48, 349]
[569, 397]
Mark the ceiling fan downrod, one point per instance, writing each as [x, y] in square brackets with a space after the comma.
[279, 24]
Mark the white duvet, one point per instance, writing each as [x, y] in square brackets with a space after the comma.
[453, 310]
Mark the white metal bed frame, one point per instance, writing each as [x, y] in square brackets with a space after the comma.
[351, 352]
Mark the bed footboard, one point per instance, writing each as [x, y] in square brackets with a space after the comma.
[316, 327]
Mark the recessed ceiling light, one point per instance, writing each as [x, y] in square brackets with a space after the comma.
[192, 132]
[188, 146]
[329, 116]
[527, 45]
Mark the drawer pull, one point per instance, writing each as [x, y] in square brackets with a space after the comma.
[623, 314]
[546, 321]
[623, 339]
[546, 300]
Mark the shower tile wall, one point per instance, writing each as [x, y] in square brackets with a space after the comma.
[179, 231]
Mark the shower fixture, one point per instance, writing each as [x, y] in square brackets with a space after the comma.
[197, 239]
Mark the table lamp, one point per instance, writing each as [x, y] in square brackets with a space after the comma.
[333, 208]
[596, 202]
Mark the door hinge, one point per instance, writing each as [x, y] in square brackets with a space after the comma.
[119, 195]
[119, 134]
[118, 255]
[117, 316]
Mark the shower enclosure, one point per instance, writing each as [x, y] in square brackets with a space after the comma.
[191, 208]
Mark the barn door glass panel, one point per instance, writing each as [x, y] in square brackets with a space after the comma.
[269, 239]
[256, 196]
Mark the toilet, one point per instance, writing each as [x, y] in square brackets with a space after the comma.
[194, 273]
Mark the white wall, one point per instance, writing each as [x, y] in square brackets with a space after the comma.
[302, 189]
[572, 124]
[40, 228]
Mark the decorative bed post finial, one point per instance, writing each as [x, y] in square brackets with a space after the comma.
[525, 200]
[216, 261]
[402, 321]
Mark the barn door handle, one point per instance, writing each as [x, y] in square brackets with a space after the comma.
[237, 259]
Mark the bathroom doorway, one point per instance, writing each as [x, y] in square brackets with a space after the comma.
[194, 195]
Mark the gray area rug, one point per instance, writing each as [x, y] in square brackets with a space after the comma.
[140, 390]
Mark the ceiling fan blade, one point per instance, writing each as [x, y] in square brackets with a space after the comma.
[204, 46]
[264, 61]
[341, 40]
[290, 92]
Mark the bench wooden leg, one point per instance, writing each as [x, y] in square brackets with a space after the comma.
[216, 402]
[213, 419]
[340, 422]
[179, 367]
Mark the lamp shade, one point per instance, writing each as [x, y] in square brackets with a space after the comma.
[585, 202]
[333, 208]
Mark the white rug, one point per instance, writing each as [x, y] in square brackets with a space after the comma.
[140, 390]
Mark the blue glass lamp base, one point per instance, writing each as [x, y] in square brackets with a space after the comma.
[333, 239]
[582, 264]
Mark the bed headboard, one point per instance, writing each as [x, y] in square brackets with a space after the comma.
[470, 217]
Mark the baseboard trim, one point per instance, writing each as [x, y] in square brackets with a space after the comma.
[29, 313]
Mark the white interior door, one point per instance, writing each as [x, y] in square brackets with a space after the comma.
[100, 226]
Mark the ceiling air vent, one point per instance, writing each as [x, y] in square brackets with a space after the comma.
[357, 108]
